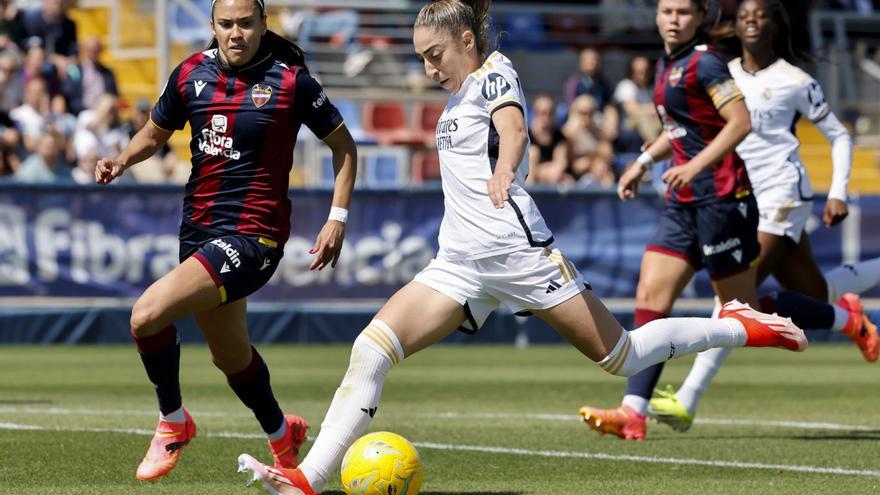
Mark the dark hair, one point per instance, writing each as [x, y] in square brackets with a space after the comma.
[454, 16]
[282, 48]
[782, 44]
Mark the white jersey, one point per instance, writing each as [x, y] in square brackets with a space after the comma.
[775, 96]
[467, 143]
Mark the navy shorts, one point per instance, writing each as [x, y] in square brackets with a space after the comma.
[721, 236]
[239, 264]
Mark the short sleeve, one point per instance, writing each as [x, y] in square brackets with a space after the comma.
[810, 101]
[312, 107]
[500, 88]
[714, 76]
[169, 112]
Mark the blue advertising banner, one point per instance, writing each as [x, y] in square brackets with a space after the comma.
[113, 242]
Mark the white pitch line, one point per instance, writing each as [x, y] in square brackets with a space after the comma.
[512, 451]
[803, 425]
[706, 421]
[648, 459]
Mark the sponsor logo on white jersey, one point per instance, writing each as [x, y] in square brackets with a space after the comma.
[495, 86]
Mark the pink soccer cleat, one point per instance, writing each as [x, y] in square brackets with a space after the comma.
[859, 328]
[622, 421]
[165, 448]
[285, 450]
[765, 330]
[277, 481]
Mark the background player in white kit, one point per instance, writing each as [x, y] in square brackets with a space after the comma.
[494, 249]
[777, 93]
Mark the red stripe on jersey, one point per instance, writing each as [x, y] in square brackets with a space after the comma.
[267, 196]
[189, 65]
[207, 183]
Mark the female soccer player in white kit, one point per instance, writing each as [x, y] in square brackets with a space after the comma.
[494, 248]
[777, 94]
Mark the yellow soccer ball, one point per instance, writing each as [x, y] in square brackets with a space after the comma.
[382, 463]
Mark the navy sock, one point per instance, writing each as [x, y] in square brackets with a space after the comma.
[160, 354]
[805, 312]
[644, 382]
[252, 386]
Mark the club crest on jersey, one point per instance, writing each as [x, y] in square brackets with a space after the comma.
[495, 86]
[260, 94]
[675, 76]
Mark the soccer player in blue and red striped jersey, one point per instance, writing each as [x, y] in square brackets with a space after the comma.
[710, 218]
[245, 99]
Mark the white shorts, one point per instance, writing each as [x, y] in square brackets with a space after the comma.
[531, 279]
[785, 199]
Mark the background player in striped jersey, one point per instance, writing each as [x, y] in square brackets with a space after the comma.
[777, 94]
[710, 217]
[494, 249]
[245, 99]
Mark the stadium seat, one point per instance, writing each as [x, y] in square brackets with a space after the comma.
[386, 122]
[425, 167]
[525, 30]
[383, 170]
[351, 113]
[425, 118]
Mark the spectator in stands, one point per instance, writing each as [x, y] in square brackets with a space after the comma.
[162, 167]
[589, 153]
[11, 24]
[10, 141]
[100, 127]
[58, 32]
[11, 89]
[36, 66]
[83, 88]
[64, 122]
[634, 95]
[589, 80]
[30, 116]
[337, 25]
[548, 153]
[47, 163]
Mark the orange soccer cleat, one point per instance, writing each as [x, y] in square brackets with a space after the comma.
[622, 421]
[859, 328]
[285, 450]
[765, 330]
[277, 481]
[165, 448]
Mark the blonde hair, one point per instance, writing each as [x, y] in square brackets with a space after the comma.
[454, 16]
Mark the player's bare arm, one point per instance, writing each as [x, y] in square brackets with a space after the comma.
[143, 145]
[328, 244]
[628, 185]
[511, 127]
[738, 126]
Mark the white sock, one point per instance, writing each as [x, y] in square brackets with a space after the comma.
[661, 340]
[841, 317]
[857, 277]
[374, 352]
[637, 403]
[175, 417]
[705, 368]
[280, 432]
[717, 308]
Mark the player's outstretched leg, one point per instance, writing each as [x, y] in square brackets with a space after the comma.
[738, 325]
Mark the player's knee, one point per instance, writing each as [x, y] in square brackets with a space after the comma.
[144, 319]
[376, 348]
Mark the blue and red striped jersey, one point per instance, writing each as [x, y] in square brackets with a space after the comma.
[693, 84]
[244, 124]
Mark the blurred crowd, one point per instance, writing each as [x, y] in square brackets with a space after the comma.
[588, 138]
[59, 105]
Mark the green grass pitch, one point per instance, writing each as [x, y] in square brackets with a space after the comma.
[486, 419]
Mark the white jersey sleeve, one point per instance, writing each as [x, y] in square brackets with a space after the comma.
[499, 85]
[810, 101]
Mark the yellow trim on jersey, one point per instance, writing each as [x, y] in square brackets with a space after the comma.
[267, 242]
[723, 93]
[222, 294]
[334, 130]
[487, 65]
[742, 194]
[498, 103]
[729, 101]
[157, 126]
[557, 258]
